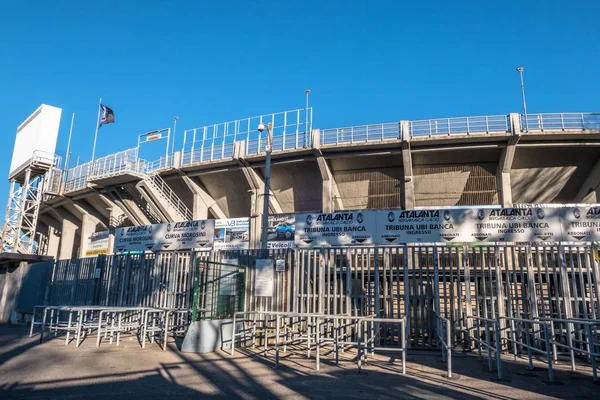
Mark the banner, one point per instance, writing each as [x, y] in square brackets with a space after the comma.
[186, 235]
[581, 224]
[96, 244]
[513, 225]
[171, 236]
[282, 230]
[232, 234]
[415, 226]
[336, 229]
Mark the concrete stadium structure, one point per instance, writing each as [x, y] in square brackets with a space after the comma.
[498, 160]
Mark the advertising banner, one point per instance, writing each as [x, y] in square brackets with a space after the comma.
[135, 238]
[581, 224]
[514, 225]
[336, 229]
[171, 236]
[282, 230]
[415, 226]
[232, 234]
[186, 235]
[96, 244]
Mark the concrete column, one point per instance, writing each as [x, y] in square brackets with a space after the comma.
[67, 239]
[503, 172]
[202, 200]
[177, 159]
[53, 242]
[409, 184]
[590, 190]
[332, 200]
[316, 138]
[515, 123]
[88, 226]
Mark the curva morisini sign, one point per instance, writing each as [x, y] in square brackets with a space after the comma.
[170, 236]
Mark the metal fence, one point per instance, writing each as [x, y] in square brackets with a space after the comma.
[416, 281]
[291, 130]
[361, 134]
[560, 122]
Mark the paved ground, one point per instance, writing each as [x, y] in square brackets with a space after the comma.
[55, 371]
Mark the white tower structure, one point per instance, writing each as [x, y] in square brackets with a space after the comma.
[34, 171]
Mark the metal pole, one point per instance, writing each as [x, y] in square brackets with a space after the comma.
[265, 216]
[69, 143]
[167, 149]
[306, 130]
[97, 126]
[520, 69]
[174, 133]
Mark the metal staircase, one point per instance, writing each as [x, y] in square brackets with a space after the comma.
[165, 198]
[137, 209]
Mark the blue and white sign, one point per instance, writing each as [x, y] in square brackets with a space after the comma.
[336, 229]
[171, 236]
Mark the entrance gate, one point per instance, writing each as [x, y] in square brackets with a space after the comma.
[420, 282]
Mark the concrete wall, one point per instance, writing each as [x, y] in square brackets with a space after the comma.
[368, 182]
[22, 288]
[230, 191]
[550, 175]
[297, 186]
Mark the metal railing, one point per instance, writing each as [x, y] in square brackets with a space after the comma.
[582, 340]
[123, 162]
[560, 122]
[292, 130]
[491, 331]
[169, 195]
[444, 337]
[164, 162]
[460, 126]
[361, 134]
[519, 327]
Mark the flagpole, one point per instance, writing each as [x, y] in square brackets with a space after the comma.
[69, 144]
[97, 126]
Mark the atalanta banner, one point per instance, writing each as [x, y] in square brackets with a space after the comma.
[336, 229]
[171, 236]
[581, 224]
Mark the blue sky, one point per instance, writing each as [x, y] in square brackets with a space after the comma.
[211, 62]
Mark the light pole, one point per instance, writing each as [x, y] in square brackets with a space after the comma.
[174, 132]
[307, 92]
[264, 237]
[520, 70]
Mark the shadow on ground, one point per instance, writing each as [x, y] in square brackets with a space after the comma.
[55, 371]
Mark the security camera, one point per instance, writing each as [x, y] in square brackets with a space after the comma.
[261, 127]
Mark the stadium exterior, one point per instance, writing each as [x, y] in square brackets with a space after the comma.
[501, 160]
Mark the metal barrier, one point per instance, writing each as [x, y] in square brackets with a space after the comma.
[532, 336]
[394, 341]
[317, 330]
[460, 126]
[291, 130]
[560, 122]
[491, 328]
[444, 337]
[584, 340]
[361, 134]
